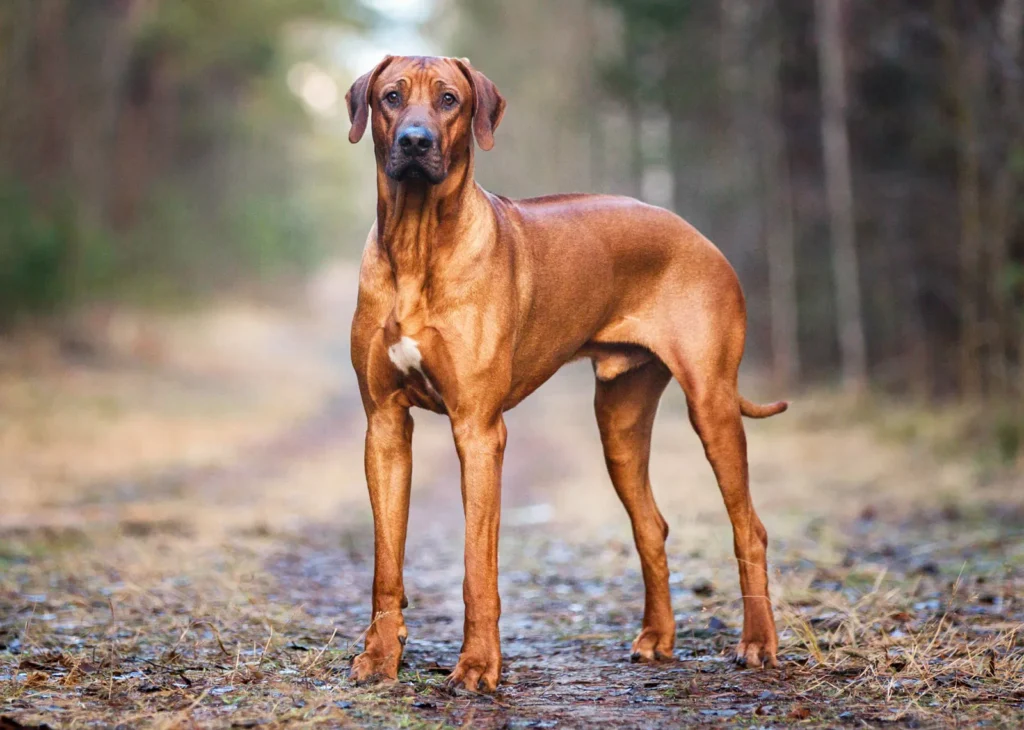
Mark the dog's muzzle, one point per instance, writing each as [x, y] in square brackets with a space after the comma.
[416, 154]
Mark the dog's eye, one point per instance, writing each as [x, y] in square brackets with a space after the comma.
[392, 97]
[448, 99]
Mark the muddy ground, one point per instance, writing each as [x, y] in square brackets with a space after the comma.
[185, 541]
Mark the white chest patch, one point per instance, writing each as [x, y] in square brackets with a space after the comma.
[405, 354]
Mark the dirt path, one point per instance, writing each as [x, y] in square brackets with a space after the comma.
[189, 544]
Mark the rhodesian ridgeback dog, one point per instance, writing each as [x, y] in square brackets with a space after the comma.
[469, 301]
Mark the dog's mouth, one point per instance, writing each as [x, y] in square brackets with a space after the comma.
[403, 169]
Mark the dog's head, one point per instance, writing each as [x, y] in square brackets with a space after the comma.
[425, 113]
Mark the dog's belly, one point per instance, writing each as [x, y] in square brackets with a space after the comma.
[535, 363]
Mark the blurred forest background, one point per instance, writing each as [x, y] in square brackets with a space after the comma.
[160, 149]
[861, 164]
[185, 538]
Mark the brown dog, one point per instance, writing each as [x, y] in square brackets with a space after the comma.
[468, 302]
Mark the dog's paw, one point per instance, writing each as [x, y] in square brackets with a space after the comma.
[475, 673]
[653, 645]
[756, 654]
[371, 667]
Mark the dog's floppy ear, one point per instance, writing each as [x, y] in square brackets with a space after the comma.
[358, 100]
[488, 104]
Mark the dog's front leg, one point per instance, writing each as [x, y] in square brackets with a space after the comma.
[388, 475]
[480, 442]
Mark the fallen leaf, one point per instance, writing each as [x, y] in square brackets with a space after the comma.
[798, 713]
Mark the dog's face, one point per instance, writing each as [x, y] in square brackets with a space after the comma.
[425, 113]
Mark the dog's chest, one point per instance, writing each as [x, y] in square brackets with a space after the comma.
[406, 356]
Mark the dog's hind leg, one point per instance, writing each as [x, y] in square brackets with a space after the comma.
[625, 408]
[706, 361]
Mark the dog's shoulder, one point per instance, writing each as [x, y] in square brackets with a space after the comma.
[374, 267]
[372, 255]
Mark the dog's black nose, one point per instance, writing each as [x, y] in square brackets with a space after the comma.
[415, 141]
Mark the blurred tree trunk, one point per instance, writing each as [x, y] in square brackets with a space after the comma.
[139, 140]
[921, 380]
[678, 104]
[967, 67]
[125, 24]
[743, 223]
[594, 120]
[839, 189]
[52, 63]
[635, 112]
[1004, 217]
[777, 201]
[15, 50]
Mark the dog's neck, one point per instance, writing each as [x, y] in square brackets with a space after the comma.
[412, 214]
[417, 220]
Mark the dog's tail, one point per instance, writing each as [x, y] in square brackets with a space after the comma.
[756, 410]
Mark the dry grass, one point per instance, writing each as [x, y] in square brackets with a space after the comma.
[190, 544]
